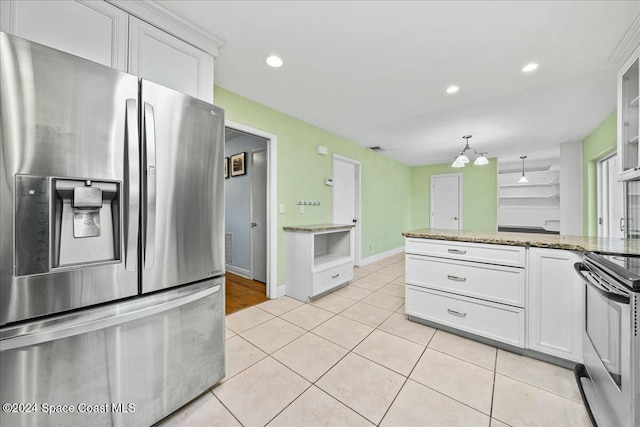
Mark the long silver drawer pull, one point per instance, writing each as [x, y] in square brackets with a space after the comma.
[456, 278]
[456, 313]
[334, 276]
[457, 251]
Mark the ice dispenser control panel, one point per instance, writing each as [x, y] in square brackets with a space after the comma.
[32, 225]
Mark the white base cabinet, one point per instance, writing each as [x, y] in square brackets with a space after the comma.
[499, 322]
[317, 262]
[473, 287]
[529, 298]
[555, 306]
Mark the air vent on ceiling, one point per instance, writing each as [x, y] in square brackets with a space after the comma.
[376, 148]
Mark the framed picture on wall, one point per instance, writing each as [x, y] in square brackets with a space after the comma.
[238, 164]
[226, 167]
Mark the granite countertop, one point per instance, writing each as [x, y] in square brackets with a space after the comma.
[554, 241]
[312, 228]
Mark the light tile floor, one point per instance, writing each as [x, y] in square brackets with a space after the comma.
[353, 359]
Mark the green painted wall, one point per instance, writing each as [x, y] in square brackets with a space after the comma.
[479, 195]
[386, 189]
[598, 144]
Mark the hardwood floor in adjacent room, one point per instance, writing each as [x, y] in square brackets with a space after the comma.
[242, 293]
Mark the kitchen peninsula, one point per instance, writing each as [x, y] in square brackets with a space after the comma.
[516, 290]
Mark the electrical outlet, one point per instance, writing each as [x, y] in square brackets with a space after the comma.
[301, 208]
[281, 208]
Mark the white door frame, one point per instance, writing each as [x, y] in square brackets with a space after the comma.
[440, 175]
[272, 203]
[357, 258]
[256, 150]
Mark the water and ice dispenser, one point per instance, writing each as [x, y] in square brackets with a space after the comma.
[64, 222]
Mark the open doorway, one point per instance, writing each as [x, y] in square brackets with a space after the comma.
[246, 226]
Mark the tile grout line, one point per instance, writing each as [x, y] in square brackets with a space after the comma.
[254, 363]
[225, 407]
[540, 388]
[290, 403]
[438, 391]
[406, 379]
[493, 386]
[461, 359]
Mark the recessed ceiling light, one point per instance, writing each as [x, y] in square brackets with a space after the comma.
[452, 89]
[530, 67]
[274, 61]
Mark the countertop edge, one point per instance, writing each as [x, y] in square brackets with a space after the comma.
[506, 242]
[312, 228]
[531, 240]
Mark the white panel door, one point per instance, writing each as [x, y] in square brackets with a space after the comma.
[95, 30]
[610, 200]
[158, 56]
[259, 215]
[346, 204]
[445, 201]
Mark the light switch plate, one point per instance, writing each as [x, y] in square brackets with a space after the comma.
[281, 208]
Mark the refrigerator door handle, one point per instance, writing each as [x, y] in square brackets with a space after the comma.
[150, 185]
[133, 185]
[64, 328]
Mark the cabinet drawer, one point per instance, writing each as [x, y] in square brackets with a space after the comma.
[490, 282]
[495, 321]
[328, 279]
[492, 254]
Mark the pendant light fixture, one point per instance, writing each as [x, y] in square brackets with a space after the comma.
[523, 179]
[462, 158]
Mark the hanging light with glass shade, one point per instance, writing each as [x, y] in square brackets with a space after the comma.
[523, 179]
[462, 158]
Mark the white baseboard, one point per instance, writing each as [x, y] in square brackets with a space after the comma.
[281, 291]
[239, 271]
[381, 255]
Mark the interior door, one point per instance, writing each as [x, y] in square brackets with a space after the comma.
[445, 201]
[183, 188]
[259, 215]
[346, 209]
[610, 200]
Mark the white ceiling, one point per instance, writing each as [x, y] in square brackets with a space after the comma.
[375, 73]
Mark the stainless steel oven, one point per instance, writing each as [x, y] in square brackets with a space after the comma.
[609, 380]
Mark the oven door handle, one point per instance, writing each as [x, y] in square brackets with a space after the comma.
[581, 269]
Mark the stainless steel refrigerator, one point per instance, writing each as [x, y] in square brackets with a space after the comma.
[111, 243]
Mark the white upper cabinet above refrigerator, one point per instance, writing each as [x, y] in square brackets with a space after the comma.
[628, 117]
[151, 50]
[140, 38]
[92, 30]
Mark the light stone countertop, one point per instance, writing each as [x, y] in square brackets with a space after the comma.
[553, 241]
[312, 228]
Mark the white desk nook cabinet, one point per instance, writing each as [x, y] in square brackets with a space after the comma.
[319, 259]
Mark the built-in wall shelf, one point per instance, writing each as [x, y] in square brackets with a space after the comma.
[531, 205]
